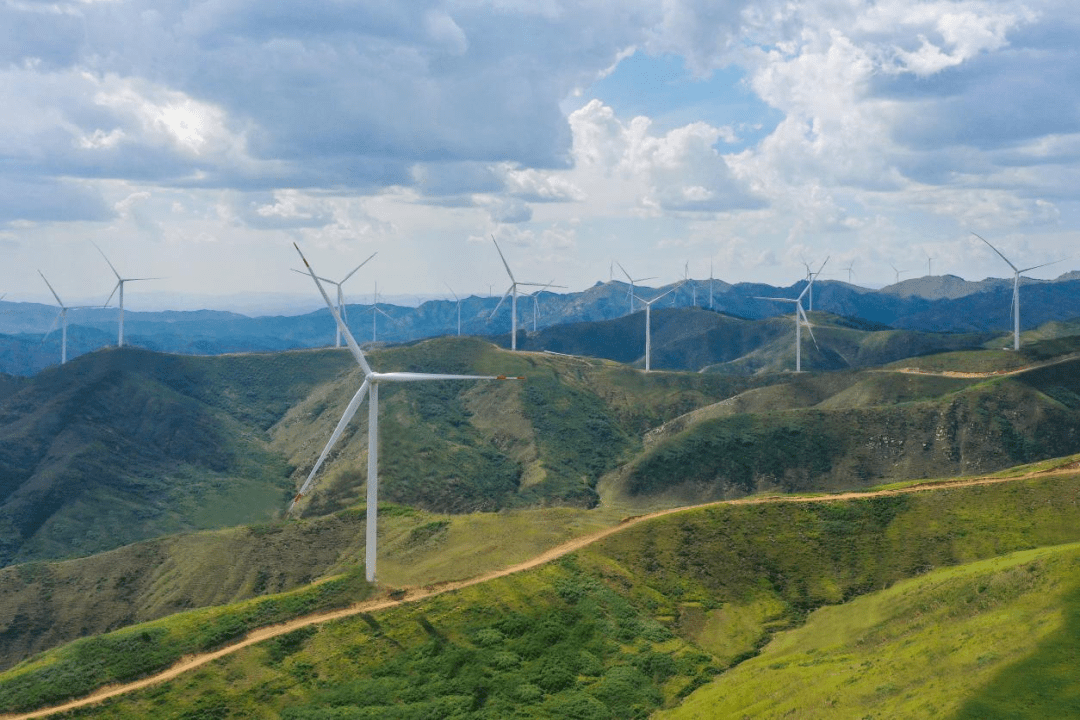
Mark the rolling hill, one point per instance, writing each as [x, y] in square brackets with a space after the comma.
[672, 613]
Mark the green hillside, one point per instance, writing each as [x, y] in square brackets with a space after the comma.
[664, 611]
[121, 445]
[989, 639]
[880, 427]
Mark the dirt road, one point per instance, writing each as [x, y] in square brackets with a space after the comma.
[420, 593]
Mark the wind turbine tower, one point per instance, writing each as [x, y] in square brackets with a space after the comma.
[119, 286]
[648, 325]
[512, 291]
[342, 310]
[800, 317]
[458, 300]
[61, 318]
[369, 387]
[1016, 288]
[375, 312]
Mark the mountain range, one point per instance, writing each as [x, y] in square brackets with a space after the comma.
[930, 304]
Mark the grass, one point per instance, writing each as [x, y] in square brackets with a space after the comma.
[650, 616]
[990, 639]
[84, 665]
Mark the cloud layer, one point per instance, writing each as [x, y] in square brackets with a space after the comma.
[893, 129]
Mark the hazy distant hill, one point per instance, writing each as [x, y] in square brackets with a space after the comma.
[696, 339]
[930, 304]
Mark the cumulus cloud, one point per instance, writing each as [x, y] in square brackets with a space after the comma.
[680, 170]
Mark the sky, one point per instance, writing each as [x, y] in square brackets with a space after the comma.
[196, 141]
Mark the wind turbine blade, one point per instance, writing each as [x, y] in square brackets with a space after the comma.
[758, 297]
[58, 300]
[115, 287]
[506, 295]
[106, 260]
[1036, 267]
[417, 377]
[624, 272]
[451, 291]
[56, 321]
[503, 258]
[648, 278]
[809, 327]
[349, 339]
[328, 281]
[821, 268]
[665, 293]
[358, 267]
[996, 250]
[350, 410]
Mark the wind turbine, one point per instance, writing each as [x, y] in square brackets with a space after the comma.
[119, 286]
[710, 285]
[536, 302]
[632, 283]
[1016, 288]
[375, 312]
[850, 271]
[513, 292]
[370, 387]
[61, 318]
[929, 264]
[686, 279]
[648, 325]
[340, 295]
[896, 271]
[456, 298]
[800, 317]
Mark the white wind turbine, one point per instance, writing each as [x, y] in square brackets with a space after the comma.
[458, 300]
[686, 279]
[119, 286]
[1016, 288]
[648, 325]
[800, 317]
[61, 318]
[896, 271]
[850, 271]
[512, 291]
[536, 302]
[342, 309]
[633, 284]
[710, 285]
[929, 264]
[376, 311]
[370, 387]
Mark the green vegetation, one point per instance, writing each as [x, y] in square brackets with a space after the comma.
[654, 614]
[881, 426]
[991, 639]
[80, 667]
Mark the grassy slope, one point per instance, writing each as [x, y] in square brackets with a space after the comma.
[989, 639]
[50, 603]
[639, 620]
[882, 427]
[118, 446]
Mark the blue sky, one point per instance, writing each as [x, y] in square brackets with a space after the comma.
[198, 140]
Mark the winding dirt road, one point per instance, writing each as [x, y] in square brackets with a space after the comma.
[419, 593]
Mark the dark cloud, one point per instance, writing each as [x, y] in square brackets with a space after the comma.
[43, 199]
